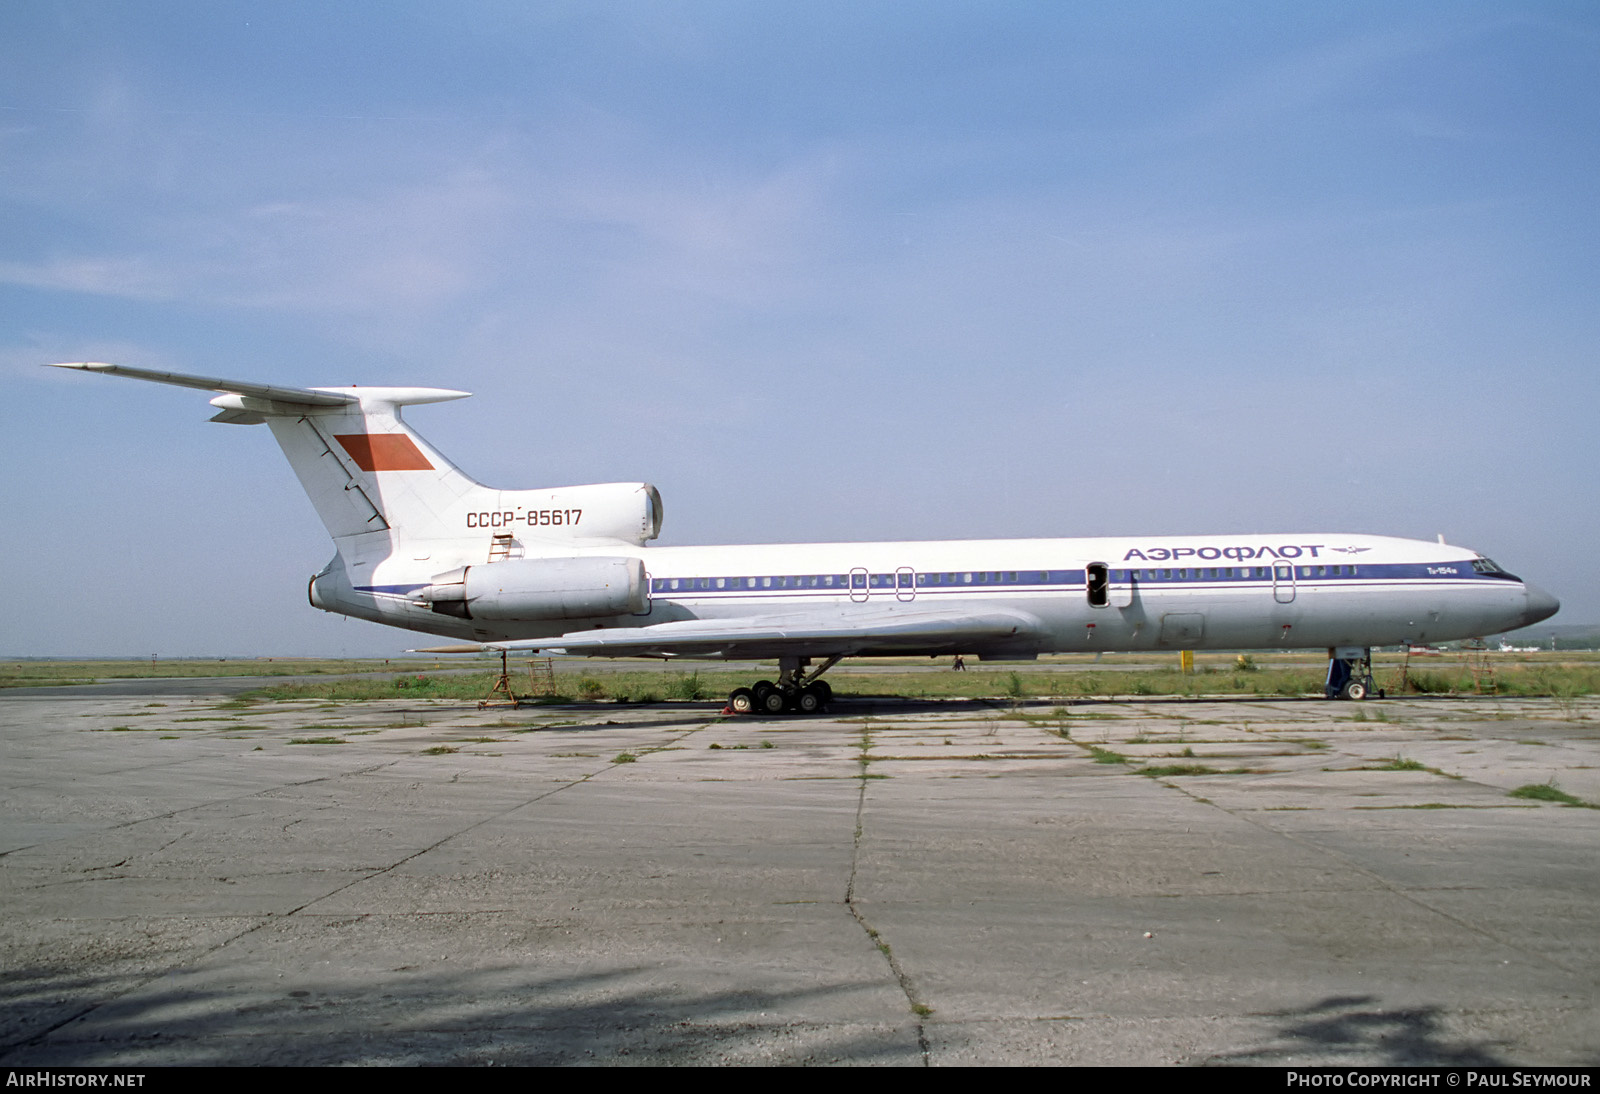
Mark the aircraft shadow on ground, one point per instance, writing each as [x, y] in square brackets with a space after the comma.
[504, 1015]
[848, 708]
[665, 715]
[1358, 1028]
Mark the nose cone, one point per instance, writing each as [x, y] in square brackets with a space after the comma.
[1541, 606]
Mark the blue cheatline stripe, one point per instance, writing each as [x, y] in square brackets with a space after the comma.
[966, 581]
[979, 580]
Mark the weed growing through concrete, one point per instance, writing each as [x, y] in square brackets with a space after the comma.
[1400, 763]
[1549, 792]
[1171, 770]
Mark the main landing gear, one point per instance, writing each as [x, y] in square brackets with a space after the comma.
[796, 691]
[1349, 673]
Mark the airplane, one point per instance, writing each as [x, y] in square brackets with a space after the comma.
[567, 570]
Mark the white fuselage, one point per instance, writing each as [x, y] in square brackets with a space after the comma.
[1158, 592]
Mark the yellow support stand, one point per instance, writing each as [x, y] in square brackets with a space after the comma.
[1186, 662]
[542, 676]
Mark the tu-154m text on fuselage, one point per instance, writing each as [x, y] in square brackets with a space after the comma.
[422, 546]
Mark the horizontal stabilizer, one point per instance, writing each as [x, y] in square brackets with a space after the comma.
[245, 403]
[301, 395]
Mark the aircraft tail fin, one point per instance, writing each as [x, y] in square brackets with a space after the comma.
[366, 472]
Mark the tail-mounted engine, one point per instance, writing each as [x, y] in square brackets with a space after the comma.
[530, 589]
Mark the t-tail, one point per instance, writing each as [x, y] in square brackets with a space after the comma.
[402, 515]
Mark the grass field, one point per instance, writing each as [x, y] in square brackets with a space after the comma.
[1561, 675]
[1126, 675]
[33, 674]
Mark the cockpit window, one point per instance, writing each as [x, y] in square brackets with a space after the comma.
[1487, 568]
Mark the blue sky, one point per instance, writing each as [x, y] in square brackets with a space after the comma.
[819, 271]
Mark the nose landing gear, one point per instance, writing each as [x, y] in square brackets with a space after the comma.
[1349, 673]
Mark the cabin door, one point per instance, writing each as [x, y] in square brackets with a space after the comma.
[1283, 582]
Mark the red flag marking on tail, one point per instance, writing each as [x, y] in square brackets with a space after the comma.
[384, 452]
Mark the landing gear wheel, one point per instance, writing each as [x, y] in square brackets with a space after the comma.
[760, 689]
[772, 702]
[1355, 689]
[809, 700]
[742, 701]
[824, 692]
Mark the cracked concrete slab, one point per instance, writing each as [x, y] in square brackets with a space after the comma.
[922, 883]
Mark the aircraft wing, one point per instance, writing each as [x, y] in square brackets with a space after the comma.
[817, 634]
